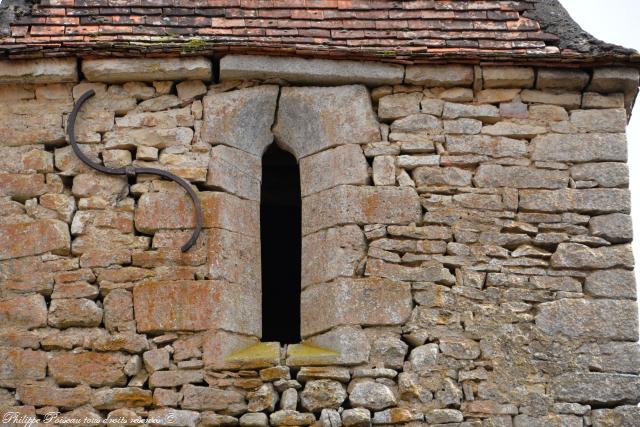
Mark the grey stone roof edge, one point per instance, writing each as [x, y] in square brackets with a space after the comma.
[555, 19]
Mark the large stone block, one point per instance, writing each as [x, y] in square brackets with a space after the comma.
[594, 200]
[350, 344]
[33, 238]
[33, 122]
[148, 137]
[345, 164]
[604, 120]
[168, 210]
[366, 302]
[336, 252]
[22, 186]
[575, 255]
[196, 306]
[439, 75]
[569, 100]
[309, 71]
[38, 71]
[241, 118]
[233, 257]
[120, 70]
[94, 369]
[234, 171]
[217, 345]
[360, 205]
[554, 78]
[596, 388]
[596, 147]
[20, 366]
[126, 397]
[213, 399]
[486, 145]
[44, 394]
[614, 283]
[23, 312]
[605, 174]
[311, 119]
[507, 77]
[392, 107]
[614, 79]
[598, 319]
[68, 312]
[616, 227]
[520, 177]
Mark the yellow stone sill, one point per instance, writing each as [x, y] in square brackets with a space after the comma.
[267, 354]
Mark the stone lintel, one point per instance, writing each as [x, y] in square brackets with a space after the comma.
[38, 71]
[309, 71]
[120, 70]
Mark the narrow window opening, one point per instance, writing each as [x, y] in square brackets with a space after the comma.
[281, 241]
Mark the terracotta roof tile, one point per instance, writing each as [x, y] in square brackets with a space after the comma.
[515, 31]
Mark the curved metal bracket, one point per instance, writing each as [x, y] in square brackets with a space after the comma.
[132, 171]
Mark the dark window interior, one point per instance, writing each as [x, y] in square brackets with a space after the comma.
[281, 239]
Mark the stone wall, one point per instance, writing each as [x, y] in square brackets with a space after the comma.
[465, 254]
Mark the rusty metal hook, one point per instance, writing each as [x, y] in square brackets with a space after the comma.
[132, 171]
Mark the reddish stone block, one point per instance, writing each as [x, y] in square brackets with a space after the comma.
[94, 369]
[196, 306]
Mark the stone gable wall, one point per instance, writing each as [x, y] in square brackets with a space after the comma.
[466, 257]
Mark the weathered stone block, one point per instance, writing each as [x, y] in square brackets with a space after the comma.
[384, 170]
[597, 100]
[611, 284]
[322, 394]
[23, 312]
[38, 71]
[233, 257]
[486, 145]
[574, 255]
[548, 420]
[309, 71]
[148, 137]
[18, 366]
[175, 378]
[168, 210]
[120, 70]
[605, 174]
[241, 118]
[345, 164]
[234, 171]
[217, 345]
[507, 77]
[520, 177]
[595, 200]
[570, 80]
[449, 176]
[439, 75]
[361, 205]
[65, 313]
[32, 122]
[22, 186]
[570, 100]
[372, 395]
[196, 306]
[350, 344]
[580, 318]
[212, 399]
[116, 398]
[33, 238]
[43, 394]
[94, 369]
[332, 253]
[604, 120]
[596, 388]
[614, 79]
[392, 107]
[311, 119]
[616, 227]
[622, 416]
[514, 130]
[485, 113]
[580, 148]
[354, 302]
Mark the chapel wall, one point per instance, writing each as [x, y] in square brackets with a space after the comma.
[466, 255]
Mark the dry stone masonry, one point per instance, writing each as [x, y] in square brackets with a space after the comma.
[466, 257]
